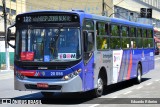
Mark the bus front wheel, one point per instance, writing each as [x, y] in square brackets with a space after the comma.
[100, 87]
[139, 74]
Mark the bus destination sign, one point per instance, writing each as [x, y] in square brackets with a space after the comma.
[48, 18]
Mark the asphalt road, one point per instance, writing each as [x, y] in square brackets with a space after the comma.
[121, 94]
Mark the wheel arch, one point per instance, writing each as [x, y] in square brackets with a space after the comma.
[103, 74]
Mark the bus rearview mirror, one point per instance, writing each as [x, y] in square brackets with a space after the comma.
[9, 35]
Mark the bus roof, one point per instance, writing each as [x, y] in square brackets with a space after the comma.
[126, 22]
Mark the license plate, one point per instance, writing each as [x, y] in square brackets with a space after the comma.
[42, 85]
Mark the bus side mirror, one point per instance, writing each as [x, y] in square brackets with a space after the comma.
[85, 40]
[10, 36]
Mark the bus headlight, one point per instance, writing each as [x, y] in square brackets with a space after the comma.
[71, 75]
[19, 75]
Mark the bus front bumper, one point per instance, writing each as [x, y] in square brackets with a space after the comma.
[72, 85]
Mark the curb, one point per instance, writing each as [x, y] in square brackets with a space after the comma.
[6, 70]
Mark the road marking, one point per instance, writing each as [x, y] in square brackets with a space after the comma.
[149, 83]
[139, 87]
[127, 92]
[94, 105]
[157, 80]
[115, 97]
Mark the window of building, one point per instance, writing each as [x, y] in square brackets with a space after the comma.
[13, 12]
[1, 8]
[13, 0]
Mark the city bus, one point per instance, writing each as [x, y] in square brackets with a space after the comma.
[74, 51]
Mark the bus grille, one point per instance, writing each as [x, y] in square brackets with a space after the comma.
[51, 87]
[34, 77]
[48, 67]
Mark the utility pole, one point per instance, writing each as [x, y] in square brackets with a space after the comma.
[5, 30]
[102, 7]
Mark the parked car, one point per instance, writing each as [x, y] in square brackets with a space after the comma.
[156, 51]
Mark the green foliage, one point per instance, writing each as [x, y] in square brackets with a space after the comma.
[124, 31]
[125, 41]
[115, 43]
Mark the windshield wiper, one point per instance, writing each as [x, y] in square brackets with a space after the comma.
[58, 32]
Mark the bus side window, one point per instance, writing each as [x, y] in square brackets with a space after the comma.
[145, 40]
[102, 35]
[115, 42]
[150, 38]
[124, 37]
[133, 37]
[139, 38]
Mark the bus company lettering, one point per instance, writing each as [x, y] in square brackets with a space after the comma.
[66, 55]
[107, 58]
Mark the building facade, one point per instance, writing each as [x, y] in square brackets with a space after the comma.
[13, 7]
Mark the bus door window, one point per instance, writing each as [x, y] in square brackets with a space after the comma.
[90, 46]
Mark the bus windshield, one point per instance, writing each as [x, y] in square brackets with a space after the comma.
[48, 44]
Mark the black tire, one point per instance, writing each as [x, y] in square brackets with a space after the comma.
[47, 94]
[139, 74]
[100, 87]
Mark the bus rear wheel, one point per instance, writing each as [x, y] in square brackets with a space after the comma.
[100, 87]
[139, 74]
[47, 94]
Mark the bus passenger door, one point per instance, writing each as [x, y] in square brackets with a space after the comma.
[89, 62]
